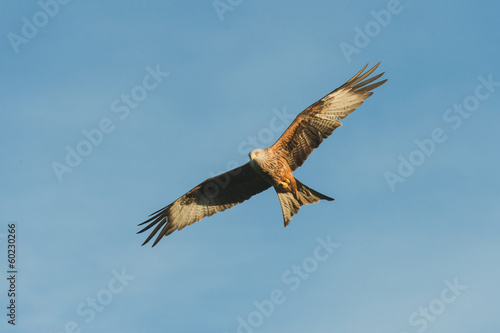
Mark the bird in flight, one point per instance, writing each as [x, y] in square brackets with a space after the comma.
[269, 167]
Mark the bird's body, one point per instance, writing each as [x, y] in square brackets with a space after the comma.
[273, 169]
[269, 167]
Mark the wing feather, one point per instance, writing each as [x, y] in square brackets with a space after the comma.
[319, 120]
[214, 195]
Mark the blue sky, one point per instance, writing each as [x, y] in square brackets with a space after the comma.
[413, 233]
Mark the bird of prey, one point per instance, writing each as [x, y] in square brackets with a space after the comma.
[270, 167]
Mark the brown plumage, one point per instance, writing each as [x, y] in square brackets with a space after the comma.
[272, 166]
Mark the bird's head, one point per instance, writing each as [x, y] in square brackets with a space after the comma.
[257, 154]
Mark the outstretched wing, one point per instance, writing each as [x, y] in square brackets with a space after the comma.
[319, 120]
[213, 195]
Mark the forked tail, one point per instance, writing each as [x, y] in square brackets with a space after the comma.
[291, 203]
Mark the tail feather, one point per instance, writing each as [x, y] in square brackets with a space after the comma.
[291, 203]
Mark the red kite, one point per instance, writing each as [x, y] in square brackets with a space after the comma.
[272, 166]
